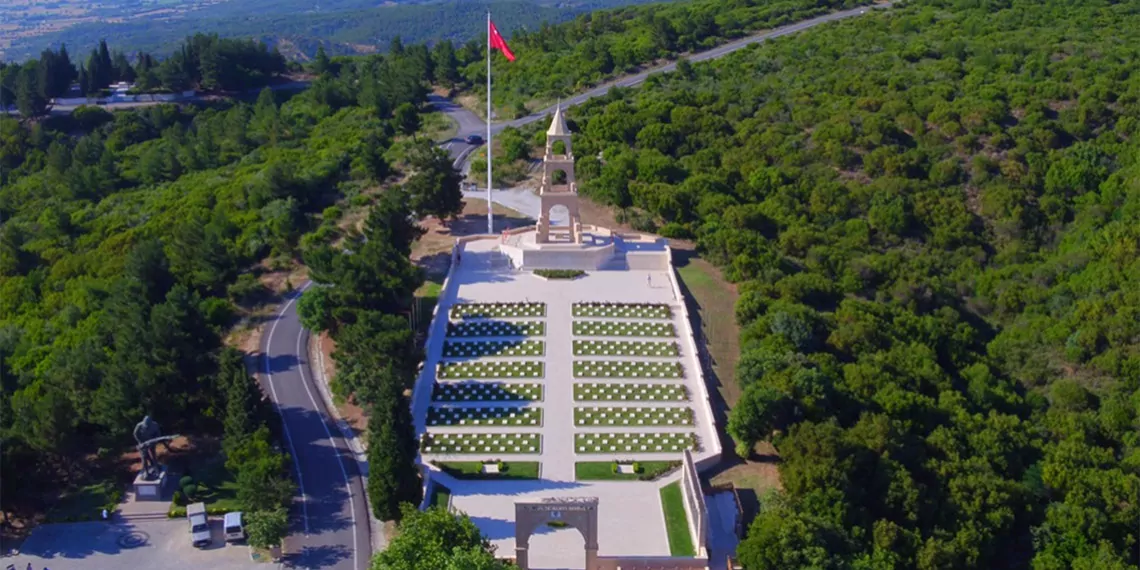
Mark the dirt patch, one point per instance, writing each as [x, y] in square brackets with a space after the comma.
[753, 478]
[433, 250]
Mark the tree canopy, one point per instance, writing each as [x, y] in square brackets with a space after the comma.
[931, 214]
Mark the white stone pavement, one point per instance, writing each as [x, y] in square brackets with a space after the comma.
[631, 519]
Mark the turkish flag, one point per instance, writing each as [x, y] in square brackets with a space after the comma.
[497, 42]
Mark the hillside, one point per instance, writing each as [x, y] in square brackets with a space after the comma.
[343, 26]
[933, 216]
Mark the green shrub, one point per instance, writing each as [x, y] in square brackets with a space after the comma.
[559, 273]
[675, 230]
[246, 289]
[185, 481]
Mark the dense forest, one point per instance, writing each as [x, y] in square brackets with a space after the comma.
[561, 60]
[131, 241]
[202, 62]
[933, 217]
[343, 27]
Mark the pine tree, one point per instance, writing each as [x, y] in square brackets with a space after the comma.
[105, 64]
[65, 70]
[29, 97]
[392, 474]
[243, 413]
[321, 63]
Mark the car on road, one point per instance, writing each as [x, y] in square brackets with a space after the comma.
[232, 527]
[474, 140]
[199, 524]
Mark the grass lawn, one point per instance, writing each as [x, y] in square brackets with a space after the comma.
[221, 488]
[426, 298]
[603, 470]
[676, 521]
[474, 470]
[440, 496]
[715, 301]
[86, 503]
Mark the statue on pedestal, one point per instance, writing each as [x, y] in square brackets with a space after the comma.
[147, 437]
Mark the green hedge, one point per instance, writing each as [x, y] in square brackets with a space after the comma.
[177, 512]
[559, 273]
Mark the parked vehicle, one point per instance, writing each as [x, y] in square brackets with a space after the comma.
[232, 528]
[199, 524]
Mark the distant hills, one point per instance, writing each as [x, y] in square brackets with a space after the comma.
[298, 27]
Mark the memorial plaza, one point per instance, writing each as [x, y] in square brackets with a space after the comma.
[593, 376]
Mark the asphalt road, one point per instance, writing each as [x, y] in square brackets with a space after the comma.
[333, 530]
[471, 124]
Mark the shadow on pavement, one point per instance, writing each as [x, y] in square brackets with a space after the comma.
[317, 556]
[80, 540]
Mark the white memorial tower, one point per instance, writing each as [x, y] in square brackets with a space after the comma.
[565, 192]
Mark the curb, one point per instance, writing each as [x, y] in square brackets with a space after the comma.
[349, 436]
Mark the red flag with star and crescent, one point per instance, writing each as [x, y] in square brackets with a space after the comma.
[497, 42]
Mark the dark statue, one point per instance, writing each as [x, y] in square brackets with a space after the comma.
[147, 437]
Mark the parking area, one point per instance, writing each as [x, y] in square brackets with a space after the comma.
[158, 543]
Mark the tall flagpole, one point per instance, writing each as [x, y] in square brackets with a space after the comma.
[490, 217]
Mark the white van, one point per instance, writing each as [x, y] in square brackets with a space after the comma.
[199, 524]
[234, 532]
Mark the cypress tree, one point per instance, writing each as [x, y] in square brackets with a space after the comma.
[393, 477]
[241, 394]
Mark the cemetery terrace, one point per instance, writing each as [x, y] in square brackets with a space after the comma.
[497, 310]
[496, 328]
[481, 369]
[472, 443]
[650, 392]
[485, 391]
[626, 369]
[484, 416]
[624, 348]
[598, 416]
[623, 310]
[652, 442]
[617, 328]
[500, 348]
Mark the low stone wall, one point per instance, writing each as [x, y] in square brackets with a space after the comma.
[552, 257]
[650, 563]
[694, 501]
[710, 441]
[647, 260]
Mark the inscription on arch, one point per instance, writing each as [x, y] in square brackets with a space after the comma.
[580, 513]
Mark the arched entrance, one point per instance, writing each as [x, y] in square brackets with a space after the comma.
[580, 513]
[559, 215]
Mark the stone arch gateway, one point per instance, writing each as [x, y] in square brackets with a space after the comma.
[580, 513]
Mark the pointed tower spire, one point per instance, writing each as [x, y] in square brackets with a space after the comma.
[558, 124]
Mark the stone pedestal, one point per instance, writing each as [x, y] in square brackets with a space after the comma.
[151, 489]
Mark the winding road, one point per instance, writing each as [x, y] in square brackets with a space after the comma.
[469, 123]
[333, 529]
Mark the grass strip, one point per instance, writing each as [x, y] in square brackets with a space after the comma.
[676, 521]
[604, 470]
[474, 469]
